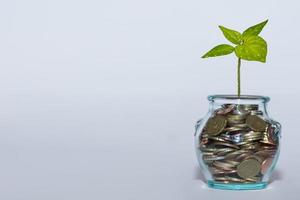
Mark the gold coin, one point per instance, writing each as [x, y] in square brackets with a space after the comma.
[241, 126]
[233, 129]
[207, 153]
[268, 142]
[216, 138]
[256, 112]
[251, 139]
[254, 179]
[221, 179]
[223, 151]
[233, 179]
[223, 165]
[207, 149]
[216, 171]
[215, 125]
[256, 123]
[234, 154]
[248, 168]
[212, 157]
[236, 117]
[226, 144]
[247, 107]
[235, 163]
[228, 179]
[270, 136]
[250, 146]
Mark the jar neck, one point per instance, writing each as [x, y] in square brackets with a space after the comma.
[255, 101]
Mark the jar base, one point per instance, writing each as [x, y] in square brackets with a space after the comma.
[237, 186]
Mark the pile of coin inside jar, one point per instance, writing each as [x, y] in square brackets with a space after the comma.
[238, 145]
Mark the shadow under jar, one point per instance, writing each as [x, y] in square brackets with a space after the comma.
[237, 143]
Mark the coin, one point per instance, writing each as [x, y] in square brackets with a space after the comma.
[264, 153]
[251, 139]
[235, 163]
[204, 140]
[229, 179]
[207, 148]
[268, 142]
[221, 179]
[233, 179]
[244, 126]
[248, 168]
[256, 112]
[223, 165]
[223, 151]
[256, 123]
[251, 145]
[226, 144]
[270, 136]
[253, 179]
[236, 118]
[212, 158]
[235, 138]
[267, 146]
[243, 156]
[253, 134]
[215, 125]
[216, 138]
[266, 164]
[208, 153]
[234, 154]
[226, 109]
[247, 107]
[216, 171]
[233, 129]
[227, 105]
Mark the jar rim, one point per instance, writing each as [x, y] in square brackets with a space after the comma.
[236, 97]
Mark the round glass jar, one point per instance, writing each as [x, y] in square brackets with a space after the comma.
[237, 143]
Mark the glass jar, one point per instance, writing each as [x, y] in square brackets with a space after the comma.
[237, 143]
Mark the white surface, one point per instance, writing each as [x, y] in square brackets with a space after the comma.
[99, 98]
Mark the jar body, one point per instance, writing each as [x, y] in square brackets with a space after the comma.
[237, 143]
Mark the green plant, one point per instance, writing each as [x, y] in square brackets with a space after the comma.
[248, 46]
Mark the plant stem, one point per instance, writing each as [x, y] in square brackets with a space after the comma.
[239, 77]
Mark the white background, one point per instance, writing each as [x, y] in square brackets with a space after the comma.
[99, 98]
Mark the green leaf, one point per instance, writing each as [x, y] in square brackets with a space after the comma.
[220, 50]
[254, 30]
[254, 48]
[233, 36]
